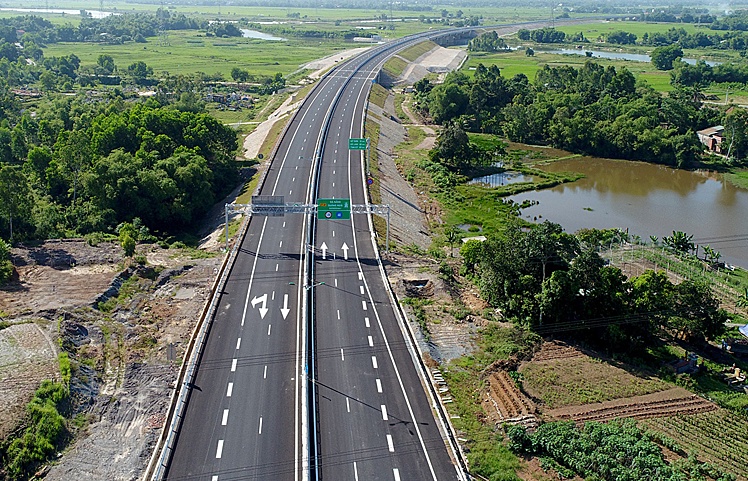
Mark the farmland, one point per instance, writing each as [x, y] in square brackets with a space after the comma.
[718, 437]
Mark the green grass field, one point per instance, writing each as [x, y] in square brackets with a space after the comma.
[190, 51]
[515, 62]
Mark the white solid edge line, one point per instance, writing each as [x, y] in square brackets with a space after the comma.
[376, 312]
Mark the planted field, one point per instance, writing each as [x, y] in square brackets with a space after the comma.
[664, 403]
[579, 379]
[504, 402]
[718, 437]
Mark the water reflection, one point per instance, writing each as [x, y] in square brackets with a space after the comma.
[636, 57]
[648, 200]
[501, 178]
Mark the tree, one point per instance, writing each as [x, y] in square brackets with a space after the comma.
[106, 64]
[697, 312]
[471, 252]
[736, 134]
[453, 237]
[529, 52]
[239, 75]
[139, 71]
[548, 244]
[663, 57]
[679, 242]
[128, 236]
[452, 146]
[15, 195]
[6, 267]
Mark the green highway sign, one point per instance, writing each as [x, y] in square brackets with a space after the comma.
[334, 209]
[358, 144]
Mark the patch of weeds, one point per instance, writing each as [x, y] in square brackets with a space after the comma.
[417, 305]
[65, 371]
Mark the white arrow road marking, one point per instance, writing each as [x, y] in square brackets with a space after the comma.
[263, 299]
[323, 247]
[285, 310]
[345, 250]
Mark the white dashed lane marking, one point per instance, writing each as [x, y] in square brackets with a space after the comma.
[230, 389]
[342, 354]
[225, 417]
[366, 321]
[233, 364]
[379, 385]
[390, 444]
[265, 374]
[363, 304]
[396, 473]
[238, 342]
[219, 449]
[384, 413]
[374, 362]
[260, 431]
[371, 343]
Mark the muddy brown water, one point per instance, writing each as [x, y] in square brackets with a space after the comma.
[647, 199]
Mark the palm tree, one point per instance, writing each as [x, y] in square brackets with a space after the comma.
[679, 242]
[452, 238]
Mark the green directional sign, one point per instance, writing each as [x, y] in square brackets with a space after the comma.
[358, 144]
[334, 209]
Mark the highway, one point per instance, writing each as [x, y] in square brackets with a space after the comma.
[368, 417]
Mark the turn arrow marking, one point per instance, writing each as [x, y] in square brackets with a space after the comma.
[264, 300]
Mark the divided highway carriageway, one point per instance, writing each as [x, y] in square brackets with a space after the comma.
[307, 372]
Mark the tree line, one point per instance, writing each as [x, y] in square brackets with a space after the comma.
[552, 281]
[79, 167]
[592, 109]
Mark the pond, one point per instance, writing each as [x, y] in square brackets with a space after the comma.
[501, 178]
[647, 199]
[617, 55]
[247, 33]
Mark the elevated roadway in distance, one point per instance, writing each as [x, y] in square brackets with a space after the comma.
[366, 415]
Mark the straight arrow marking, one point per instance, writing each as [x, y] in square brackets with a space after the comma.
[285, 310]
[345, 250]
[323, 247]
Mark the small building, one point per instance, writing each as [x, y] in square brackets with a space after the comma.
[712, 138]
[687, 365]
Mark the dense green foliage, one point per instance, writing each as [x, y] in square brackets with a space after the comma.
[614, 451]
[593, 110]
[80, 168]
[45, 431]
[488, 42]
[554, 282]
[6, 268]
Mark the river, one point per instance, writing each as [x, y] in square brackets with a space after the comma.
[647, 199]
[618, 55]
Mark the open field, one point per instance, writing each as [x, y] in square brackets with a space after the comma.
[594, 30]
[516, 62]
[190, 51]
[574, 380]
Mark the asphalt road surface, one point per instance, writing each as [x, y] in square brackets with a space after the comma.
[247, 413]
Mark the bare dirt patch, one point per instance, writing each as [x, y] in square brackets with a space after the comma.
[503, 402]
[124, 358]
[27, 357]
[669, 402]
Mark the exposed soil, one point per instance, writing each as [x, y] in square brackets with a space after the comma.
[503, 402]
[124, 360]
[664, 403]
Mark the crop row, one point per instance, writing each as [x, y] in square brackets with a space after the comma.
[719, 436]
